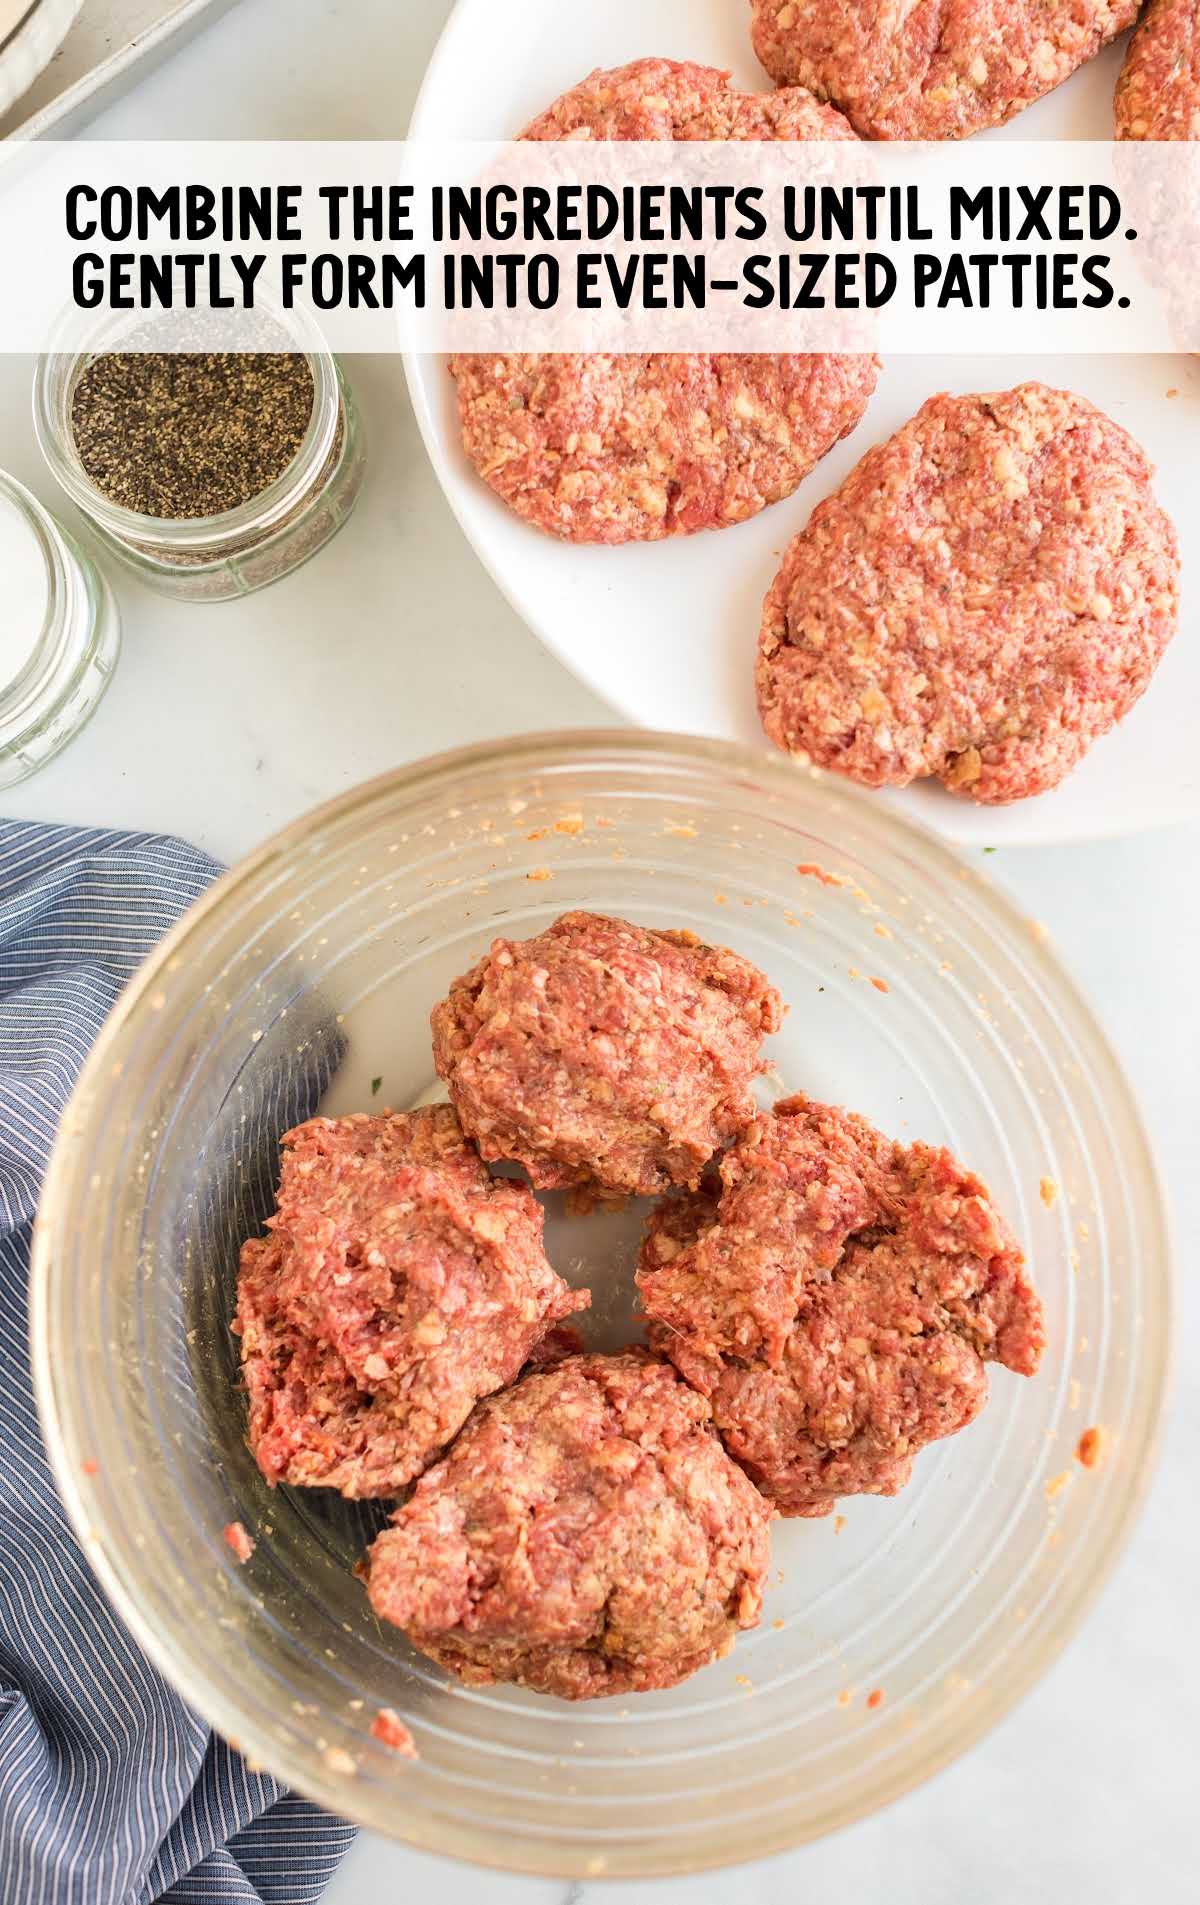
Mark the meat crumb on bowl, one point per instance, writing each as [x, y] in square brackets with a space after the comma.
[389, 1729]
[239, 1542]
[1090, 1447]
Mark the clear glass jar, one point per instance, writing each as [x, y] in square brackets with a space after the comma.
[215, 558]
[62, 677]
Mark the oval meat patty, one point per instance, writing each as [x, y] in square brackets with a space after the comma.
[1158, 93]
[400, 1283]
[679, 99]
[933, 69]
[835, 1296]
[615, 449]
[604, 1054]
[586, 1534]
[987, 594]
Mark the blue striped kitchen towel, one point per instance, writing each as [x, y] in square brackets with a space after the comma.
[111, 1792]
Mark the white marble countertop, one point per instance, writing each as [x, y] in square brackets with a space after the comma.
[225, 722]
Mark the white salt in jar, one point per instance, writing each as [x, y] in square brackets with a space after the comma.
[59, 635]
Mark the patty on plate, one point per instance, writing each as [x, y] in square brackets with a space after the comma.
[987, 593]
[933, 69]
[1158, 93]
[612, 449]
[605, 1055]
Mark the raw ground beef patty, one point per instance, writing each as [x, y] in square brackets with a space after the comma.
[615, 449]
[604, 1054]
[835, 1295]
[1158, 93]
[987, 593]
[931, 69]
[400, 1283]
[586, 1534]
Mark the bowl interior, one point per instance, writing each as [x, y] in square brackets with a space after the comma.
[918, 996]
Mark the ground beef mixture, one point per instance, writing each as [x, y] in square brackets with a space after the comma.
[586, 1534]
[678, 99]
[615, 449]
[1158, 94]
[985, 595]
[604, 1054]
[931, 69]
[399, 1283]
[835, 1295]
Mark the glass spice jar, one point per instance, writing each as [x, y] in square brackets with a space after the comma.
[214, 558]
[60, 638]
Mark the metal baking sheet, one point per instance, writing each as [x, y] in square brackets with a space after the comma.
[112, 44]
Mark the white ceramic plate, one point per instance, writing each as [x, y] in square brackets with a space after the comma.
[666, 632]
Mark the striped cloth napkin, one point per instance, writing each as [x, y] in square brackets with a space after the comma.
[111, 1792]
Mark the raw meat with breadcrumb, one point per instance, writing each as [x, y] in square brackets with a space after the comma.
[605, 448]
[931, 69]
[399, 1283]
[585, 1535]
[602, 1054]
[985, 596]
[835, 1296]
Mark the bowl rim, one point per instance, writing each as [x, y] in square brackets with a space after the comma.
[218, 1705]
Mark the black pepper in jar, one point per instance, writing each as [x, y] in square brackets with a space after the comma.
[191, 434]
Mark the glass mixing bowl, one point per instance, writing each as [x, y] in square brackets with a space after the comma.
[894, 1636]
